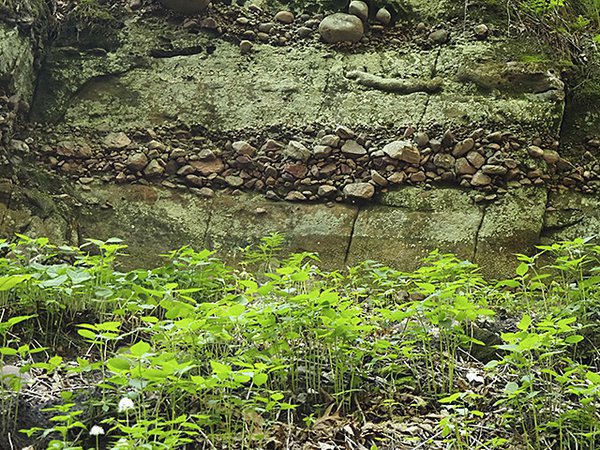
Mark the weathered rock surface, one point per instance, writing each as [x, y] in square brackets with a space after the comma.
[412, 222]
[513, 224]
[400, 230]
[128, 89]
[186, 6]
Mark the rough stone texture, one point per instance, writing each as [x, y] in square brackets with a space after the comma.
[411, 222]
[142, 91]
[484, 84]
[186, 6]
[512, 224]
[16, 63]
[316, 228]
[571, 215]
[402, 228]
[150, 220]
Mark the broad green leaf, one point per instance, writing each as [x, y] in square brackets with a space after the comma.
[522, 269]
[118, 364]
[524, 323]
[7, 283]
[139, 349]
[260, 378]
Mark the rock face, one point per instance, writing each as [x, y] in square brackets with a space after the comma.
[400, 229]
[340, 27]
[186, 6]
[213, 106]
[16, 64]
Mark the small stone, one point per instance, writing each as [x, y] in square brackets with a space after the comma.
[284, 17]
[154, 169]
[206, 192]
[444, 161]
[344, 132]
[71, 149]
[476, 159]
[326, 190]
[362, 191]
[494, 169]
[397, 178]
[322, 151]
[304, 32]
[135, 4]
[383, 16]
[136, 162]
[535, 151]
[330, 140]
[418, 177]
[378, 178]
[353, 148]
[245, 47]
[266, 27]
[551, 156]
[463, 167]
[234, 181]
[244, 148]
[359, 9]
[462, 148]
[403, 151]
[340, 27]
[480, 179]
[208, 23]
[296, 170]
[447, 139]
[481, 31]
[297, 151]
[421, 139]
[185, 170]
[117, 141]
[209, 167]
[86, 180]
[295, 196]
[495, 137]
[439, 37]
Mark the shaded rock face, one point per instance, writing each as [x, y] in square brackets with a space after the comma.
[186, 6]
[400, 230]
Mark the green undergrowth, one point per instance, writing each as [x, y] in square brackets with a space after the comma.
[198, 354]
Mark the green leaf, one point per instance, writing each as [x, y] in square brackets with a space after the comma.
[7, 283]
[140, 349]
[574, 339]
[451, 399]
[118, 364]
[593, 377]
[88, 334]
[524, 323]
[522, 269]
[260, 378]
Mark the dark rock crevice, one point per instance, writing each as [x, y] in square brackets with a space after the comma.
[476, 238]
[351, 237]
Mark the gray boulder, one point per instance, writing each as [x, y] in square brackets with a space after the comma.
[340, 27]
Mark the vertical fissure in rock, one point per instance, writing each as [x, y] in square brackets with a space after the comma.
[208, 244]
[431, 76]
[8, 206]
[349, 246]
[479, 227]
